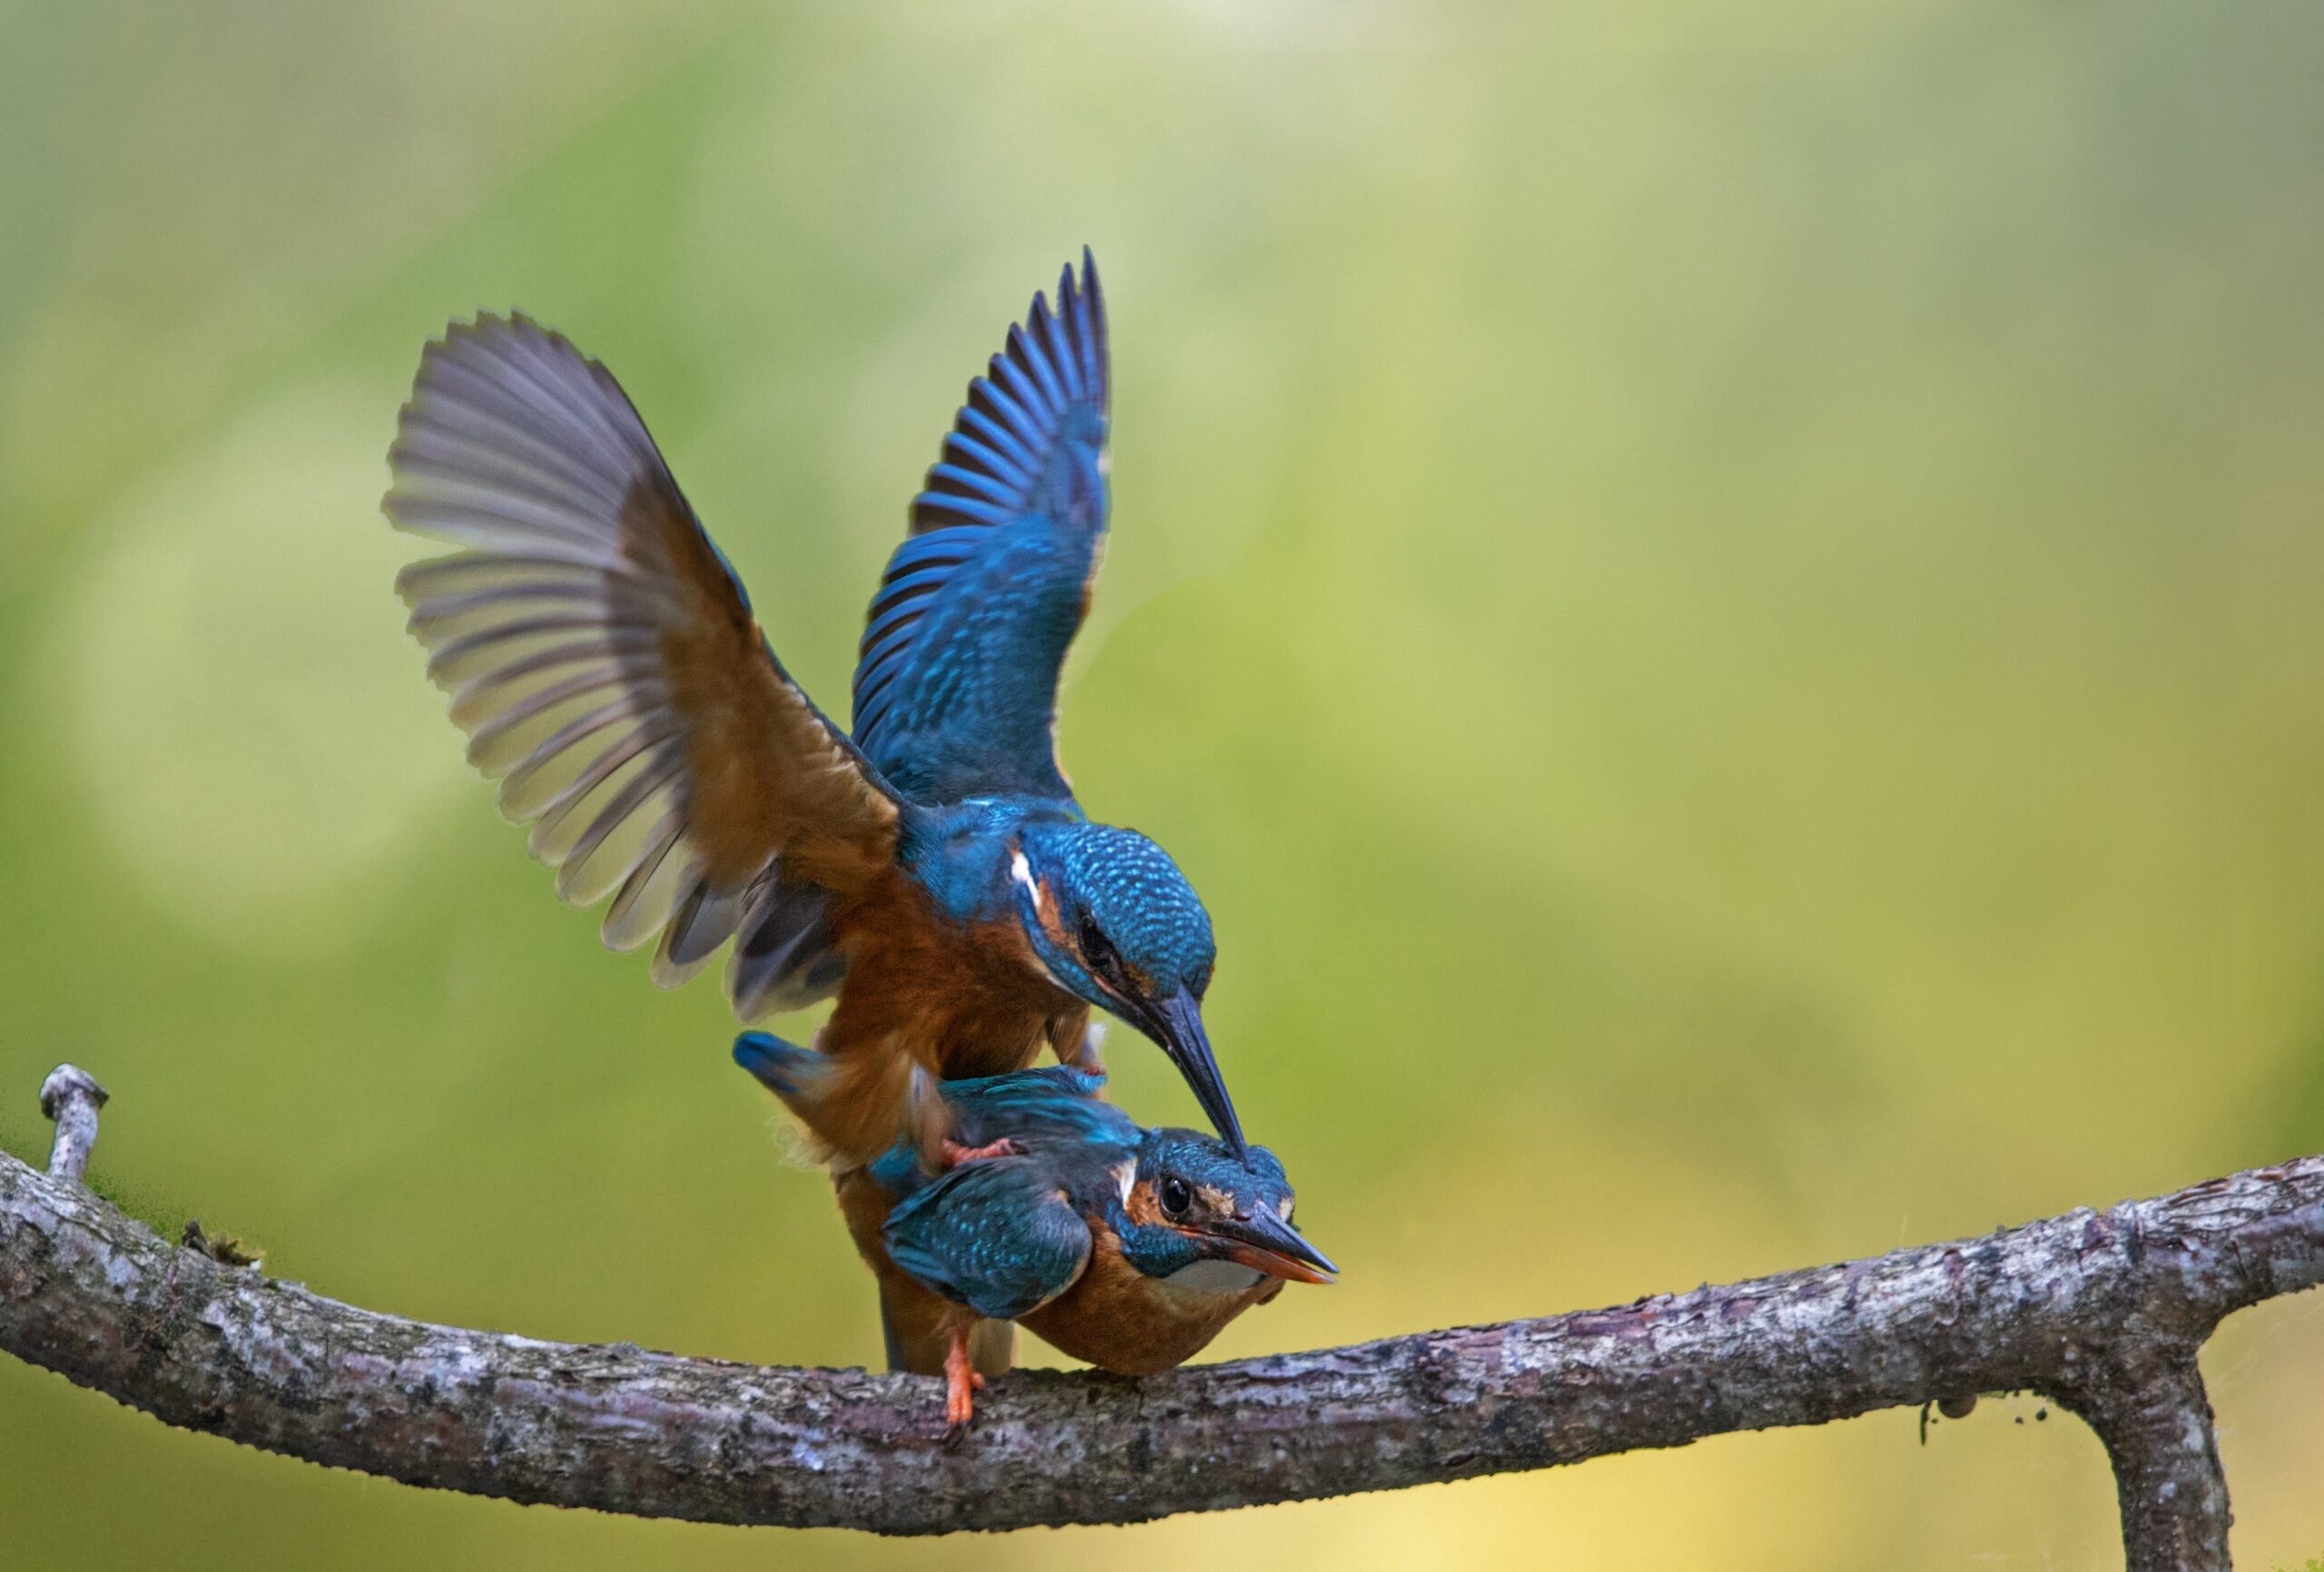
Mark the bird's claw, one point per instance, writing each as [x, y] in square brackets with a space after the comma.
[961, 1383]
[961, 1412]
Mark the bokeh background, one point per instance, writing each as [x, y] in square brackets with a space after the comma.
[1721, 598]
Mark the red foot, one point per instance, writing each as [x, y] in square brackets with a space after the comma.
[961, 1383]
[955, 1153]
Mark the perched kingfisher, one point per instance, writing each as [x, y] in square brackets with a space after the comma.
[1129, 1248]
[933, 870]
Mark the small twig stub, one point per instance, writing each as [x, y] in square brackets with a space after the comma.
[72, 1096]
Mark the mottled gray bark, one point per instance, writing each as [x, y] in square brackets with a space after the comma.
[71, 1096]
[2156, 1423]
[2101, 1312]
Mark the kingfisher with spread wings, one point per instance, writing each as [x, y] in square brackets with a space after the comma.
[932, 869]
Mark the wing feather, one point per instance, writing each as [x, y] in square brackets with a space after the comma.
[604, 662]
[997, 1235]
[955, 691]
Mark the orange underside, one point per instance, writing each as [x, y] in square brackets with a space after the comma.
[1111, 1317]
[1130, 1324]
[923, 991]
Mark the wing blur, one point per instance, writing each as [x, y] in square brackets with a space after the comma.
[604, 663]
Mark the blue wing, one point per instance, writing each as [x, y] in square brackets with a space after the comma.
[956, 686]
[1027, 1105]
[997, 1235]
[1055, 1106]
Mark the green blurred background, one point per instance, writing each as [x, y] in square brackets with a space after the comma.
[1721, 598]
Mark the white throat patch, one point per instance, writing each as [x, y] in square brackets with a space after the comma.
[1213, 1277]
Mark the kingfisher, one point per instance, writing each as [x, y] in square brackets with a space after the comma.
[929, 868]
[1129, 1248]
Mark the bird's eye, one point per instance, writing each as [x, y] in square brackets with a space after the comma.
[1096, 949]
[1176, 1198]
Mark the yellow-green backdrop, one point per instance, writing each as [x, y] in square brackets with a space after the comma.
[1722, 598]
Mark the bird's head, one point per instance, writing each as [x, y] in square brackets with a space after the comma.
[1190, 1201]
[1113, 921]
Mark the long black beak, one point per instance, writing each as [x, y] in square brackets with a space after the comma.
[1177, 1025]
[1266, 1243]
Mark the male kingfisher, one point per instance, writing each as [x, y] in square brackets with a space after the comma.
[933, 869]
[1127, 1248]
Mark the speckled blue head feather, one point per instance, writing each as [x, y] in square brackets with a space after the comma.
[1114, 921]
[1138, 899]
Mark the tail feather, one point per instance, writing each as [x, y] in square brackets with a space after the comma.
[857, 1108]
[798, 1075]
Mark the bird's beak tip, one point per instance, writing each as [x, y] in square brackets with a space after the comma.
[1265, 1244]
[1180, 1030]
[1275, 1263]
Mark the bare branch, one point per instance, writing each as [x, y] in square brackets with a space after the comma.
[2101, 1312]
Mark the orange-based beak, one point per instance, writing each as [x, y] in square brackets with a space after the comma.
[1264, 1242]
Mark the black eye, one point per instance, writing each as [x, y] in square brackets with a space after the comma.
[1096, 949]
[1176, 1198]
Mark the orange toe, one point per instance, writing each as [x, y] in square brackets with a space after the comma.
[961, 1384]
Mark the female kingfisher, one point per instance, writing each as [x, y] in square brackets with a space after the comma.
[1125, 1247]
[933, 870]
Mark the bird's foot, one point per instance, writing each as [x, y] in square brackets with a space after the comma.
[955, 1153]
[961, 1383]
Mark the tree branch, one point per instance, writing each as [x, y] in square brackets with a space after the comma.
[2156, 1423]
[2101, 1312]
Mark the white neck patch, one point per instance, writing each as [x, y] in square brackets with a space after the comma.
[1213, 1277]
[1020, 874]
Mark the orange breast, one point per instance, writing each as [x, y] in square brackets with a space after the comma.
[921, 989]
[1131, 1324]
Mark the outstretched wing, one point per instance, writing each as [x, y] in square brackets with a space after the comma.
[996, 1235]
[956, 688]
[604, 661]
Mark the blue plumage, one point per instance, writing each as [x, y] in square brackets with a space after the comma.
[1129, 890]
[999, 1236]
[791, 1072]
[1126, 1247]
[972, 1231]
[955, 687]
[931, 870]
